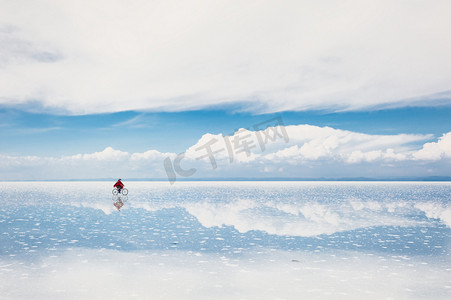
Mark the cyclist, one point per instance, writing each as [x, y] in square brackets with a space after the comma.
[119, 185]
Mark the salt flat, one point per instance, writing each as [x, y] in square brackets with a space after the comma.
[227, 240]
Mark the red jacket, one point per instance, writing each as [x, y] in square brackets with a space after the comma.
[119, 184]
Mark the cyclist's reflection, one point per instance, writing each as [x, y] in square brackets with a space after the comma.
[118, 204]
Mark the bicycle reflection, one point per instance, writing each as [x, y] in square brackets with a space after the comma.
[119, 197]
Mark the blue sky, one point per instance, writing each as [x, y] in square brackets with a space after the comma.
[362, 87]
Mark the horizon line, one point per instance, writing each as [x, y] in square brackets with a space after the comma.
[363, 179]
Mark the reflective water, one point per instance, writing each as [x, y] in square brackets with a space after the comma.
[228, 240]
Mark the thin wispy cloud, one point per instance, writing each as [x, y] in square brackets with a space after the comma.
[139, 121]
[32, 130]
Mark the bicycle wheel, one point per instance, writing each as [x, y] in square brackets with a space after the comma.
[115, 197]
[115, 192]
[124, 191]
[124, 198]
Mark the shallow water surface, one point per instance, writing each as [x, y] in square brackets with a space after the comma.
[227, 240]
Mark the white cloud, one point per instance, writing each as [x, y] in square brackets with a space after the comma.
[436, 150]
[305, 143]
[322, 151]
[313, 143]
[103, 56]
[103, 164]
[108, 154]
[387, 155]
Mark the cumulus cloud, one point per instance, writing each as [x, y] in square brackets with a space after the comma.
[436, 150]
[107, 56]
[304, 143]
[103, 164]
[108, 154]
[275, 151]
